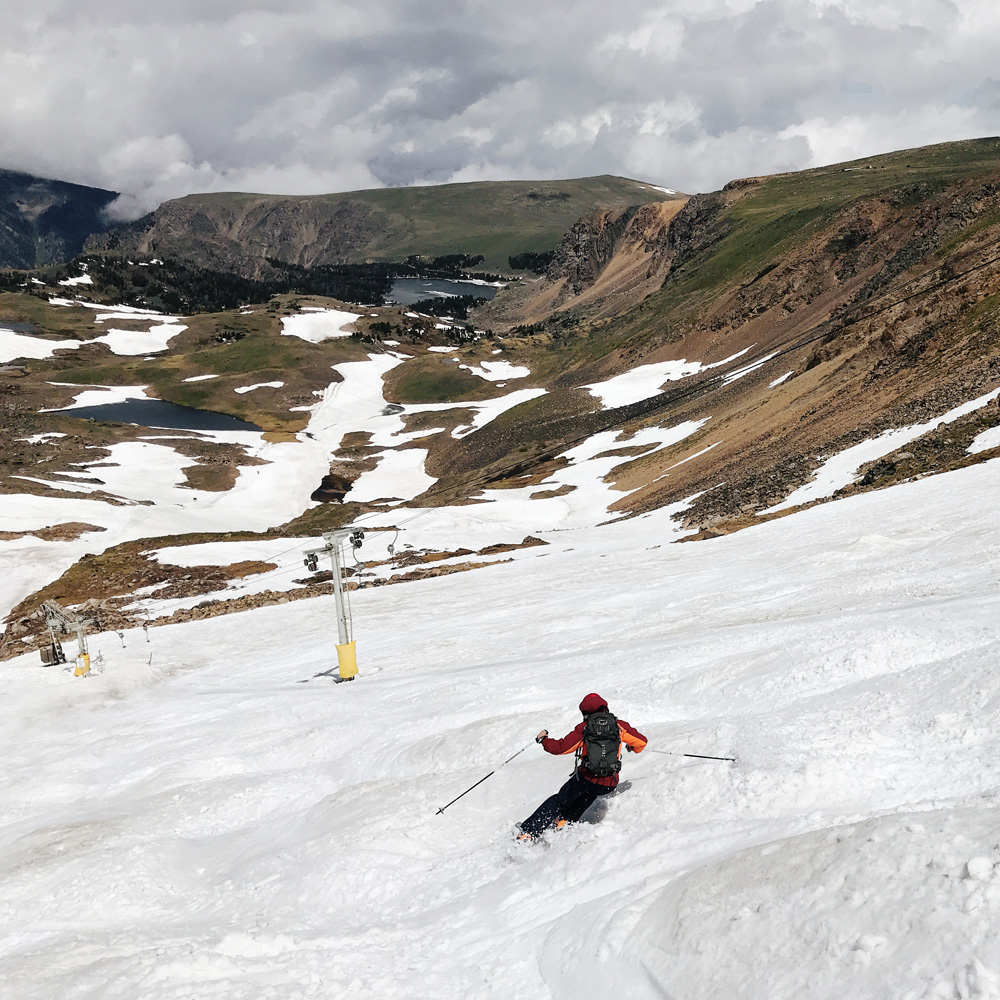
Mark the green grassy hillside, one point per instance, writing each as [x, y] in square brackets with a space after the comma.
[495, 219]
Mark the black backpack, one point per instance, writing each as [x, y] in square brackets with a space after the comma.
[601, 740]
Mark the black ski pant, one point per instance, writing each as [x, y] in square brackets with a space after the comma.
[569, 803]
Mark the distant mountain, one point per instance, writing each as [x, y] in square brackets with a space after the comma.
[237, 232]
[46, 222]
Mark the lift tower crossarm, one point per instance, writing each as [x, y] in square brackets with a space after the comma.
[65, 621]
[333, 547]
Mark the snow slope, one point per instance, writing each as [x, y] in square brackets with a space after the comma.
[212, 817]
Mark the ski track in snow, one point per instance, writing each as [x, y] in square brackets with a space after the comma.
[206, 825]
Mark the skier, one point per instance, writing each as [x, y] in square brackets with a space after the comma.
[598, 741]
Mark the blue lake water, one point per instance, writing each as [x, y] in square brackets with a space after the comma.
[406, 291]
[159, 413]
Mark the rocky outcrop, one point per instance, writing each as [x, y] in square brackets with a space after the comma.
[606, 263]
[587, 248]
[239, 233]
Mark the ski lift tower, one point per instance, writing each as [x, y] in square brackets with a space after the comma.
[334, 547]
[63, 621]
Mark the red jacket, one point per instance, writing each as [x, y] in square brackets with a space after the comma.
[573, 741]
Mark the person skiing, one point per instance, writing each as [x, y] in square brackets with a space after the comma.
[597, 742]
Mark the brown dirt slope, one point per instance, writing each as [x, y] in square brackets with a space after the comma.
[875, 284]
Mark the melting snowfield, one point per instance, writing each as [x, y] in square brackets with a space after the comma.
[213, 817]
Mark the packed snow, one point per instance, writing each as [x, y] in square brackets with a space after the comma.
[316, 325]
[44, 438]
[162, 329]
[212, 817]
[199, 378]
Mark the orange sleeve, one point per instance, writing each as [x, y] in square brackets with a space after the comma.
[632, 737]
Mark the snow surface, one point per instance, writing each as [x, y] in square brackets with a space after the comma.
[747, 369]
[645, 380]
[20, 345]
[42, 438]
[83, 279]
[641, 382]
[494, 371]
[841, 469]
[132, 342]
[199, 378]
[198, 822]
[316, 325]
[259, 385]
[158, 504]
[780, 379]
[987, 439]
[100, 395]
[123, 342]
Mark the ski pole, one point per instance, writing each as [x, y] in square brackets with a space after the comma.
[481, 780]
[700, 756]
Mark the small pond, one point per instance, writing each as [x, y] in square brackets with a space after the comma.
[159, 413]
[406, 291]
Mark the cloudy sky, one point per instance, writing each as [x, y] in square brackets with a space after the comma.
[309, 96]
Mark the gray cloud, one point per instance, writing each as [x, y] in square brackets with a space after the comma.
[305, 96]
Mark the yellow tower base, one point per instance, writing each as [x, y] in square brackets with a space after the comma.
[348, 660]
[82, 665]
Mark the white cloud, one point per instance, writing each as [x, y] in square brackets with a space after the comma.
[304, 96]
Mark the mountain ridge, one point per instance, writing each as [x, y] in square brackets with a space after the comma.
[497, 219]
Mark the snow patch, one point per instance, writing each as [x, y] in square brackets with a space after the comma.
[259, 385]
[494, 371]
[316, 325]
[19, 345]
[841, 469]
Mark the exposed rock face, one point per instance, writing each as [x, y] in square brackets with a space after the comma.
[606, 263]
[45, 222]
[239, 233]
[587, 248]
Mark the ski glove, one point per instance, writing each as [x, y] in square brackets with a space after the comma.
[541, 736]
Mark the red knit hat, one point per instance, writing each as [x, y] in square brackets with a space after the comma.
[593, 703]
